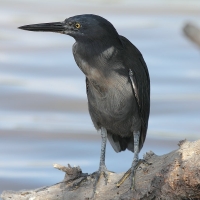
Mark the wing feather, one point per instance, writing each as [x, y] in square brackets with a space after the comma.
[140, 80]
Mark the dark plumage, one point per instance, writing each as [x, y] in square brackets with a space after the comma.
[117, 81]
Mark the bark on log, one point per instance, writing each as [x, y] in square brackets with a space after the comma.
[173, 176]
[192, 32]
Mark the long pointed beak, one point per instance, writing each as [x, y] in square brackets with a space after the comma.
[57, 27]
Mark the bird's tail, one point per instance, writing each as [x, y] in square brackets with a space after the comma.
[122, 143]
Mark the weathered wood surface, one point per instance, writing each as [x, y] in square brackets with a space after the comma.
[173, 176]
[192, 32]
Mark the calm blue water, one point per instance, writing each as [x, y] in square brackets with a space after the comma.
[43, 100]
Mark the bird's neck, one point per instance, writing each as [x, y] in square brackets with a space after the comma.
[98, 47]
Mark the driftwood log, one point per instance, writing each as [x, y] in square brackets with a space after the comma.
[192, 32]
[175, 175]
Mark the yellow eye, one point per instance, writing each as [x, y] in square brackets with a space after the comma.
[77, 25]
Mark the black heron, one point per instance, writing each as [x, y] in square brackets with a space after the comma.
[117, 82]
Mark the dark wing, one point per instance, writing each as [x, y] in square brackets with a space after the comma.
[87, 85]
[137, 69]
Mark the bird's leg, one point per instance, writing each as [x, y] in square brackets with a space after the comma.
[135, 163]
[102, 167]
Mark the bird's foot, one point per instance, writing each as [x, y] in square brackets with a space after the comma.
[131, 172]
[97, 175]
[102, 171]
[78, 184]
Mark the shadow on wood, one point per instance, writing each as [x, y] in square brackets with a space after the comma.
[175, 175]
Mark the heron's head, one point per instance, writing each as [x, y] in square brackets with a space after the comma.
[81, 27]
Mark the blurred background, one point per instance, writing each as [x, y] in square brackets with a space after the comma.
[43, 106]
